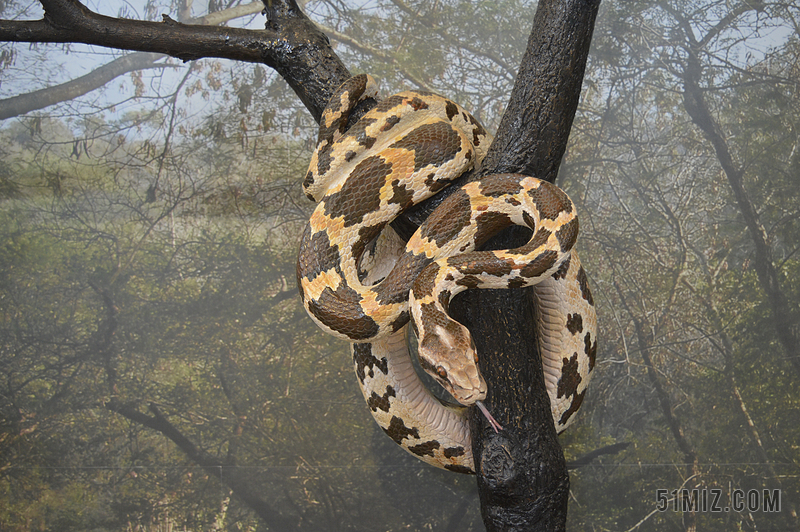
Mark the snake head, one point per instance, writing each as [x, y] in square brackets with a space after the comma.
[448, 354]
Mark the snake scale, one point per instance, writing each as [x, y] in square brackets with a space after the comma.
[361, 283]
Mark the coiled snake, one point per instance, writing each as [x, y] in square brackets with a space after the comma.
[359, 282]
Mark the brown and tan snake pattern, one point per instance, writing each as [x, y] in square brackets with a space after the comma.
[359, 282]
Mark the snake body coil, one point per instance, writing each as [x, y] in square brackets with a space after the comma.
[359, 282]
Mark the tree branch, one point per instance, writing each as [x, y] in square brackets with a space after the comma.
[213, 466]
[291, 43]
[589, 457]
[32, 101]
[70, 21]
[24, 103]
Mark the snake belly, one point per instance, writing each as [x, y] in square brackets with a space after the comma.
[359, 282]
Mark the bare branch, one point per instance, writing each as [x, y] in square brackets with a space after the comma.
[24, 103]
[291, 43]
[70, 21]
[213, 466]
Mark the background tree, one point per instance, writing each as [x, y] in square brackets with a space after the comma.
[147, 266]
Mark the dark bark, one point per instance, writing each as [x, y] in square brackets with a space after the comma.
[70, 21]
[533, 134]
[589, 457]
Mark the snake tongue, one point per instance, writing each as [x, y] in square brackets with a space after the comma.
[492, 421]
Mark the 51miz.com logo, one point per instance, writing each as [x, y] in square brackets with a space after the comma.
[713, 500]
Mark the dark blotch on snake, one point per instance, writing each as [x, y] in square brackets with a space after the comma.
[354, 87]
[590, 348]
[570, 378]
[359, 132]
[540, 264]
[386, 104]
[480, 262]
[340, 310]
[500, 185]
[517, 282]
[444, 300]
[394, 288]
[398, 431]
[432, 144]
[361, 192]
[459, 469]
[324, 159]
[425, 449]
[417, 104]
[401, 195]
[574, 323]
[453, 452]
[390, 123]
[309, 180]
[568, 234]
[425, 283]
[469, 282]
[317, 255]
[550, 200]
[539, 238]
[451, 109]
[400, 321]
[376, 401]
[561, 272]
[573, 407]
[584, 284]
[366, 363]
[489, 224]
[366, 235]
[529, 220]
[448, 219]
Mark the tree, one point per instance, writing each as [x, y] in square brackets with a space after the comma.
[305, 60]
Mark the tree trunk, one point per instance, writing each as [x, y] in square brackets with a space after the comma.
[768, 275]
[522, 475]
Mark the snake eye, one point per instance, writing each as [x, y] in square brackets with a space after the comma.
[441, 372]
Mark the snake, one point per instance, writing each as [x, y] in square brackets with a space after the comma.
[359, 281]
